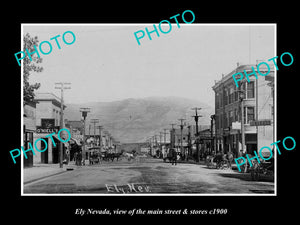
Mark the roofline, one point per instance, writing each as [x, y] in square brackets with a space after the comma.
[239, 69]
[55, 100]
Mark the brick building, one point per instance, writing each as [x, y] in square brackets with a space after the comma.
[258, 105]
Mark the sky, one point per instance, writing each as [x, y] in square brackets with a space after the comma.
[105, 63]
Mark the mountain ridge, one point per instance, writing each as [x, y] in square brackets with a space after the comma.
[135, 119]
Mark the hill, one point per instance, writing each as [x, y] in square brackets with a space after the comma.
[133, 120]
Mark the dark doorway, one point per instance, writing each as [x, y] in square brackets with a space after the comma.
[55, 151]
[44, 155]
[28, 139]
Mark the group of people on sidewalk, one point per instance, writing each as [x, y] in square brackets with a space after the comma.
[78, 158]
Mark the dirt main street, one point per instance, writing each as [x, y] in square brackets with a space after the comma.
[150, 176]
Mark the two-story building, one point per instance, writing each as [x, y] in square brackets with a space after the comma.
[257, 104]
[48, 110]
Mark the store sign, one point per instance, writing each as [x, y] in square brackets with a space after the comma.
[48, 126]
[77, 136]
[40, 129]
[260, 123]
[236, 125]
[62, 139]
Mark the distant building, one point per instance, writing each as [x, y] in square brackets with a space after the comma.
[76, 129]
[188, 139]
[206, 141]
[258, 105]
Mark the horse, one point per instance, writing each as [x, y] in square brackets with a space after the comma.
[112, 156]
[117, 155]
[94, 158]
[173, 156]
[129, 156]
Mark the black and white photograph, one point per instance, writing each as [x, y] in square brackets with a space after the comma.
[140, 112]
[142, 109]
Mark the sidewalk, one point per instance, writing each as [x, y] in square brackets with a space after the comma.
[40, 171]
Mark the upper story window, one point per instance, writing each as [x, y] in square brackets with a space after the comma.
[217, 100]
[248, 114]
[250, 89]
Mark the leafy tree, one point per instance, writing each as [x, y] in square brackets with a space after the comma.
[29, 66]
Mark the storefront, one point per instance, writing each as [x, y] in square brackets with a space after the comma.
[28, 131]
[28, 139]
[52, 154]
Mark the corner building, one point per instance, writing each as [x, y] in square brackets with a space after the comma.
[257, 103]
[47, 121]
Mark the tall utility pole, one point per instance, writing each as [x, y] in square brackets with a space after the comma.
[160, 141]
[153, 146]
[100, 134]
[213, 139]
[196, 117]
[165, 132]
[172, 136]
[94, 121]
[156, 142]
[242, 96]
[181, 128]
[62, 87]
[189, 142]
[84, 112]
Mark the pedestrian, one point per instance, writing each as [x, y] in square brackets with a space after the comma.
[79, 158]
[75, 158]
[173, 156]
[230, 159]
[218, 159]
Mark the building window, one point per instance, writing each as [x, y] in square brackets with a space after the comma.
[225, 94]
[231, 117]
[250, 114]
[272, 111]
[250, 89]
[225, 120]
[236, 115]
[217, 100]
[236, 94]
[242, 88]
[231, 93]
